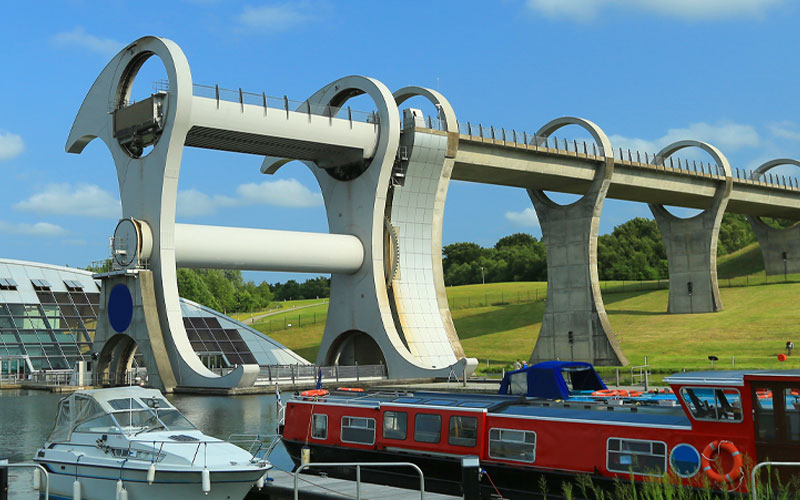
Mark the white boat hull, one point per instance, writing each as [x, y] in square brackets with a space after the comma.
[100, 483]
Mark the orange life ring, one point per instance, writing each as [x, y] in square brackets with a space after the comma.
[764, 394]
[715, 448]
[605, 393]
[616, 393]
[350, 389]
[314, 393]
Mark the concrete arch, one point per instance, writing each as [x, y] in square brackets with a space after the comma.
[780, 248]
[115, 359]
[354, 347]
[691, 243]
[575, 324]
[148, 189]
[602, 177]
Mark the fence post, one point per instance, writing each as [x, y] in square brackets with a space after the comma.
[617, 373]
[3, 479]
[357, 377]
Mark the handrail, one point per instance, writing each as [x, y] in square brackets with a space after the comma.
[754, 486]
[32, 466]
[358, 465]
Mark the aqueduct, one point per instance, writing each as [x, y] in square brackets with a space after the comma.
[384, 178]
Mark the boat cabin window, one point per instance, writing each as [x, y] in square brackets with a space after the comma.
[427, 428]
[319, 426]
[395, 425]
[463, 431]
[512, 444]
[792, 398]
[125, 404]
[648, 458]
[358, 430]
[713, 403]
[765, 412]
[104, 425]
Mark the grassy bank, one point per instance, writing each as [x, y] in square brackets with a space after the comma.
[500, 322]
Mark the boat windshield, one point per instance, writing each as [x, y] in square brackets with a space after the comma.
[138, 421]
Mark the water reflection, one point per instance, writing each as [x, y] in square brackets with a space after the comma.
[27, 417]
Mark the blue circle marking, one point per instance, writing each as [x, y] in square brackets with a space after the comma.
[685, 460]
[120, 308]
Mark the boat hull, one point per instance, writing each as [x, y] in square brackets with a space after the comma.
[100, 483]
[442, 473]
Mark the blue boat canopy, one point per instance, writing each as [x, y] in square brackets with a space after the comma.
[548, 379]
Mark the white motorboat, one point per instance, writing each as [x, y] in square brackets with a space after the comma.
[130, 442]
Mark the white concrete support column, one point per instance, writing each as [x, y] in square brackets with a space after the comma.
[575, 325]
[362, 326]
[691, 244]
[148, 184]
[780, 248]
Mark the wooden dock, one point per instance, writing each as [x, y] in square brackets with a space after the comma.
[314, 487]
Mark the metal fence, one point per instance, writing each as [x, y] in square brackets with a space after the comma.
[296, 373]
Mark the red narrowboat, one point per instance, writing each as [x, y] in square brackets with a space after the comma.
[714, 428]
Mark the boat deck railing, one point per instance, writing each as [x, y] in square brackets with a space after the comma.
[358, 466]
[260, 446]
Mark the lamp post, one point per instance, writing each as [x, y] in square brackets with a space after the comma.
[784, 266]
[483, 279]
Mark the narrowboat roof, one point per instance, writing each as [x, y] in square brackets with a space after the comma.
[517, 406]
[727, 377]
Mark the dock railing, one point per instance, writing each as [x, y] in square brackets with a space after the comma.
[358, 465]
[27, 465]
[754, 484]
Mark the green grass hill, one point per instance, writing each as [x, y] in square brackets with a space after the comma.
[499, 322]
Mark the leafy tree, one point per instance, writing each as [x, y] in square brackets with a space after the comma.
[191, 286]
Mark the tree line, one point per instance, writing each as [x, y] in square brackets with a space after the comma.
[632, 251]
[227, 290]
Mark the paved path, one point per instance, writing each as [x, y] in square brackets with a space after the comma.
[253, 319]
[316, 487]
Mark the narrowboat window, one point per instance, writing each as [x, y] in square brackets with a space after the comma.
[463, 431]
[648, 458]
[358, 430]
[395, 425]
[510, 444]
[765, 413]
[713, 403]
[427, 428]
[319, 426]
[792, 398]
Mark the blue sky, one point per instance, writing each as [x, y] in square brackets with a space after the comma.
[647, 71]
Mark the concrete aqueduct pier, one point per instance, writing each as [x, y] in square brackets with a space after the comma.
[384, 178]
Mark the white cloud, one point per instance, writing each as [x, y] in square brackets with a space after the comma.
[691, 10]
[724, 135]
[11, 145]
[274, 18]
[37, 229]
[192, 203]
[526, 218]
[281, 193]
[79, 38]
[85, 200]
[785, 130]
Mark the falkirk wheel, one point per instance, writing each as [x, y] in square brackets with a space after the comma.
[388, 302]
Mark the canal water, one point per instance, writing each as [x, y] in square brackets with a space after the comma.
[27, 417]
